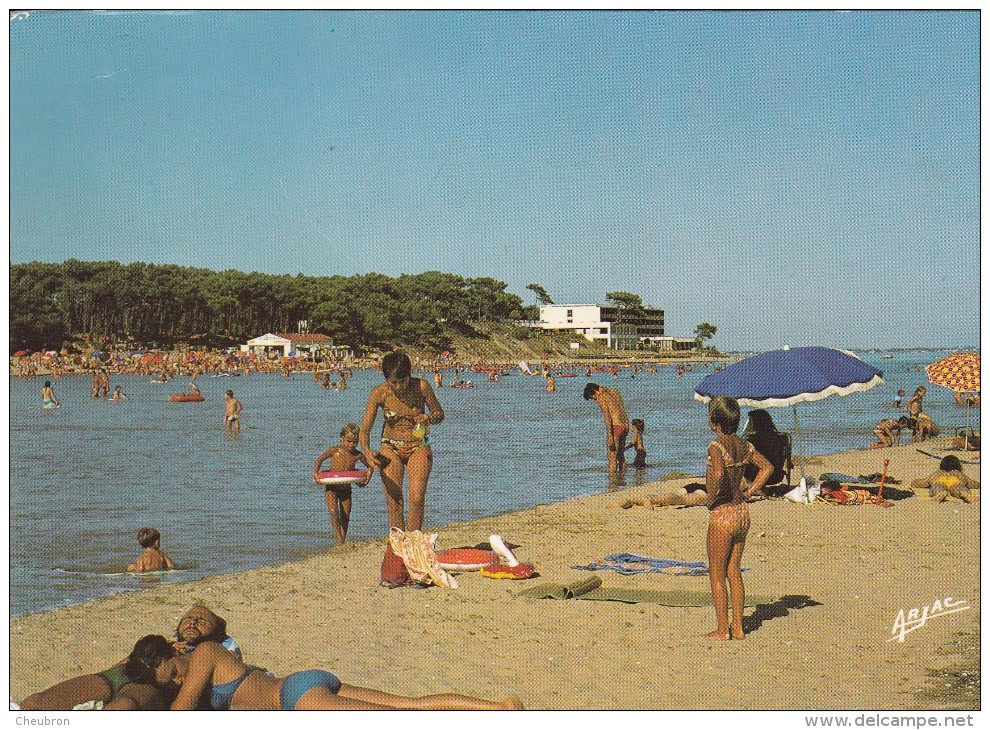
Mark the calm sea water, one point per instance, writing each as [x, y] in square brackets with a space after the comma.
[85, 477]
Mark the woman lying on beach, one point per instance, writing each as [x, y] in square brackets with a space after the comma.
[949, 480]
[118, 691]
[728, 524]
[690, 495]
[213, 672]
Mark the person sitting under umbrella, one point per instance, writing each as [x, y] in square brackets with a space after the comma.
[772, 444]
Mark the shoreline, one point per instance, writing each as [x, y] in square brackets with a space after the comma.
[840, 575]
[468, 366]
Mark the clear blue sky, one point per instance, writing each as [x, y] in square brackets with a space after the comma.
[791, 177]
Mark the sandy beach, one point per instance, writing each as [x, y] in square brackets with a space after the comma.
[840, 576]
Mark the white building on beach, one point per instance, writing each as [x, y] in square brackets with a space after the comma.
[294, 345]
[614, 327]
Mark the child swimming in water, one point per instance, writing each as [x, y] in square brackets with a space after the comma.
[152, 558]
[343, 457]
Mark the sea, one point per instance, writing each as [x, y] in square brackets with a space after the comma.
[85, 477]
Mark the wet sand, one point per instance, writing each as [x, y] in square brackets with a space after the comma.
[840, 575]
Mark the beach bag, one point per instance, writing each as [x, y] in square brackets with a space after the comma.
[394, 573]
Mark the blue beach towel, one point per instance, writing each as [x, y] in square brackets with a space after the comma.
[629, 564]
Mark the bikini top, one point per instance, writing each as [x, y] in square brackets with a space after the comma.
[222, 694]
[947, 479]
[409, 413]
[727, 457]
[729, 492]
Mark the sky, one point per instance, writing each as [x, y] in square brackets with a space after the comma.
[794, 178]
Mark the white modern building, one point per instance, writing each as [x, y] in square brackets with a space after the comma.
[610, 325]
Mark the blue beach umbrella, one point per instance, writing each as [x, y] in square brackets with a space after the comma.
[786, 377]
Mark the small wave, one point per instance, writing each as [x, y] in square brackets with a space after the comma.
[116, 573]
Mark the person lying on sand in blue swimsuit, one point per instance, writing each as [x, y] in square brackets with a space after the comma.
[115, 690]
[231, 684]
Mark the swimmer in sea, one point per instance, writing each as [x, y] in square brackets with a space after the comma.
[404, 402]
[152, 558]
[118, 395]
[48, 399]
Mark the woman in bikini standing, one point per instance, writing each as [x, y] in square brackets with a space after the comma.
[405, 446]
[729, 520]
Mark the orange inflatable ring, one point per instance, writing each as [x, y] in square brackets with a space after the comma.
[462, 559]
[501, 570]
[186, 398]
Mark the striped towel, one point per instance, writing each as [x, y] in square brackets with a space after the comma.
[416, 550]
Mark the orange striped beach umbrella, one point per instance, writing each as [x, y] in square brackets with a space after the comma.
[959, 372]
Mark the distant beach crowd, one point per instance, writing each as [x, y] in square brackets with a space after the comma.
[189, 363]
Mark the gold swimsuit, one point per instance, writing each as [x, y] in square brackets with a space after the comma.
[731, 516]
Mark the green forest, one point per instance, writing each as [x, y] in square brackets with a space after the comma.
[51, 305]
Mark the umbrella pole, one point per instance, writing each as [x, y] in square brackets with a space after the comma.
[969, 421]
[797, 440]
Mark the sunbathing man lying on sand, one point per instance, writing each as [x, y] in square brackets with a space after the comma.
[211, 672]
[115, 689]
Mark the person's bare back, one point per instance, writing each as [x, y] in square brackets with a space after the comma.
[613, 408]
[150, 560]
[616, 423]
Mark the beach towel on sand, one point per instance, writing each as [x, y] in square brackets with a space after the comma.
[629, 564]
[417, 552]
[865, 479]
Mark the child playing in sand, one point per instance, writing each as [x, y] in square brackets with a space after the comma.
[343, 457]
[947, 481]
[888, 432]
[152, 558]
[925, 428]
[636, 436]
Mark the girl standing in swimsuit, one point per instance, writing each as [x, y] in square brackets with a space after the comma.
[215, 673]
[729, 520]
[405, 445]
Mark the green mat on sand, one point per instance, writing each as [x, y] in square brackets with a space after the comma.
[590, 589]
[559, 591]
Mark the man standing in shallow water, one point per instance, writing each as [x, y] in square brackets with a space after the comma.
[616, 423]
[232, 412]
